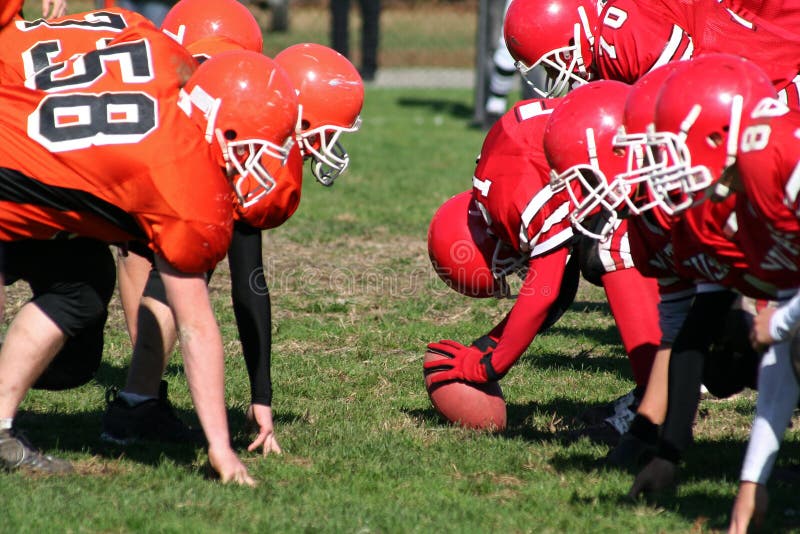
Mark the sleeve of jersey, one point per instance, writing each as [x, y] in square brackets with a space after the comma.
[9, 10]
[190, 246]
[537, 295]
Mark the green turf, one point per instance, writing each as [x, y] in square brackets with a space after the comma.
[354, 303]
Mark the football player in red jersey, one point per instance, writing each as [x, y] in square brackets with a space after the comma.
[110, 177]
[653, 245]
[557, 35]
[511, 188]
[633, 37]
[624, 39]
[701, 101]
[766, 172]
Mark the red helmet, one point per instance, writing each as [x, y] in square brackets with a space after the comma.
[698, 119]
[578, 144]
[331, 94]
[556, 34]
[247, 108]
[274, 209]
[192, 20]
[637, 137]
[461, 249]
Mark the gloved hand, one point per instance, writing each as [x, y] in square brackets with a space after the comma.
[463, 363]
[658, 475]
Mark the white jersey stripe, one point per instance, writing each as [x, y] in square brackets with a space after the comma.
[553, 243]
[533, 207]
[674, 43]
[792, 188]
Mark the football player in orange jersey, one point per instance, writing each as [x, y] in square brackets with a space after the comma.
[106, 147]
[331, 95]
[140, 409]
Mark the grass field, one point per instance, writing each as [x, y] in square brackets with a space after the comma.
[354, 303]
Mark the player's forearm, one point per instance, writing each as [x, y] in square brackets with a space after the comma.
[537, 295]
[204, 365]
[778, 392]
[251, 307]
[201, 344]
[785, 318]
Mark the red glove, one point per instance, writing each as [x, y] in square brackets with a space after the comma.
[470, 364]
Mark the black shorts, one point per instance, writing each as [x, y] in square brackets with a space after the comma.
[72, 281]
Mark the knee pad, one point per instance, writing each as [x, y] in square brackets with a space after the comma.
[731, 364]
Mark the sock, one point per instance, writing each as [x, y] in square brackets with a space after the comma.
[6, 423]
[134, 399]
[644, 429]
[496, 105]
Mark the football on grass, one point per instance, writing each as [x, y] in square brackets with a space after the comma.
[477, 406]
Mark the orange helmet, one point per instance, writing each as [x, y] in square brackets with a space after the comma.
[192, 20]
[274, 209]
[247, 107]
[331, 94]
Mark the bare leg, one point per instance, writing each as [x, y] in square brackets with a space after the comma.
[654, 402]
[152, 349]
[132, 273]
[31, 343]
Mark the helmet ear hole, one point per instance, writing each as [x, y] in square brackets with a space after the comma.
[304, 124]
[230, 135]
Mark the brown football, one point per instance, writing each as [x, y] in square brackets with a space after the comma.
[476, 406]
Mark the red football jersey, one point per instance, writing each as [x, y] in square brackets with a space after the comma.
[706, 249]
[784, 13]
[714, 27]
[27, 47]
[104, 150]
[633, 40]
[511, 182]
[769, 168]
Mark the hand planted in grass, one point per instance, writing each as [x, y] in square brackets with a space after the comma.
[750, 505]
[760, 337]
[228, 466]
[259, 417]
[656, 476]
[463, 363]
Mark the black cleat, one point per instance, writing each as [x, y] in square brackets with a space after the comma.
[151, 420]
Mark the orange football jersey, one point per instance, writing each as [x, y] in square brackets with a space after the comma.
[9, 10]
[29, 46]
[104, 149]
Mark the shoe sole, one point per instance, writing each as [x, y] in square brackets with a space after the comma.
[108, 438]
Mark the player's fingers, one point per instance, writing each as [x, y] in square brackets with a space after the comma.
[636, 488]
[260, 439]
[243, 478]
[273, 446]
